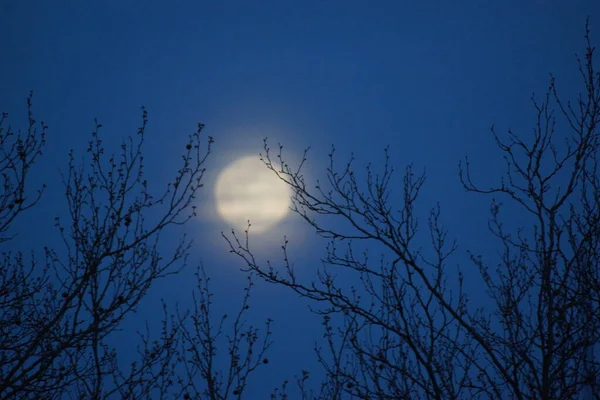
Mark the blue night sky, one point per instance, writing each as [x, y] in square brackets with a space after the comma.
[426, 78]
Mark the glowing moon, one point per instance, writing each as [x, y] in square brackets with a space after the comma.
[248, 190]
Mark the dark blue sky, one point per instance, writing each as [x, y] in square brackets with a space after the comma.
[427, 78]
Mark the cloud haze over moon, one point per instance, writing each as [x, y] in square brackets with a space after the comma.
[247, 191]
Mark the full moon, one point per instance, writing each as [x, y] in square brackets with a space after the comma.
[247, 190]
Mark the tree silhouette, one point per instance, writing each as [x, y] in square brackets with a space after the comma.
[403, 325]
[57, 313]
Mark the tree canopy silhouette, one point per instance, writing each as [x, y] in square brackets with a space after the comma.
[405, 327]
[57, 313]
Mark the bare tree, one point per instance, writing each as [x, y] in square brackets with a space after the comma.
[402, 327]
[57, 313]
[246, 346]
[19, 152]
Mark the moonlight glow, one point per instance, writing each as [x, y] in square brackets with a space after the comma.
[247, 190]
